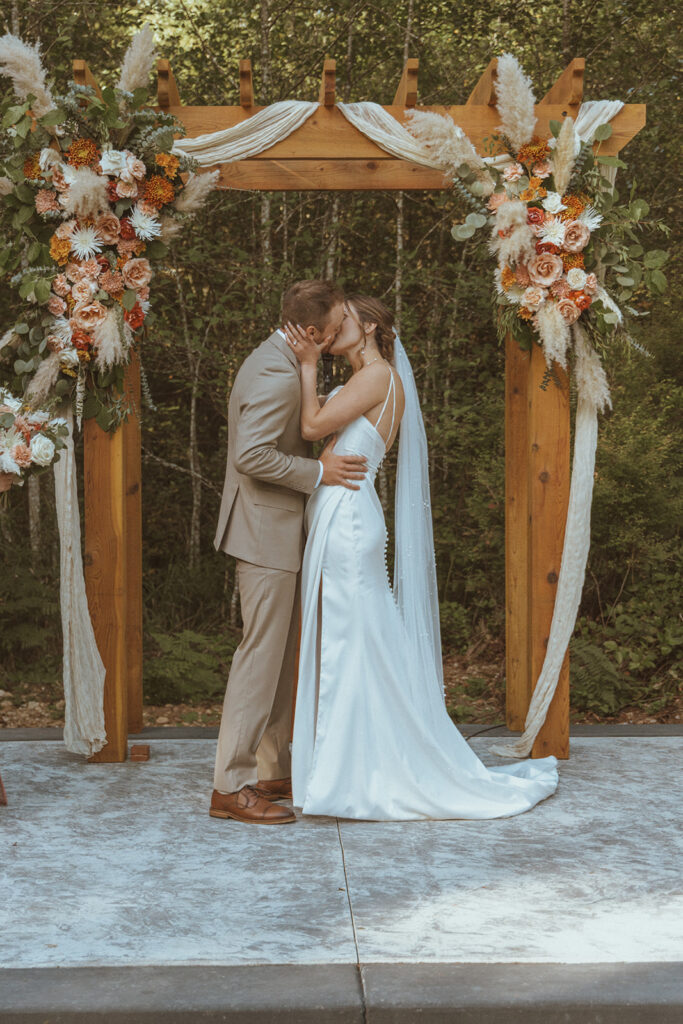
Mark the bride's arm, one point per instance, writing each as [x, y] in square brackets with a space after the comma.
[361, 393]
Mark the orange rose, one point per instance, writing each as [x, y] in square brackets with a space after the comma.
[108, 227]
[568, 310]
[544, 268]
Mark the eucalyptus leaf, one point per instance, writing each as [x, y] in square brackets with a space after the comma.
[639, 208]
[129, 299]
[610, 161]
[477, 220]
[555, 127]
[42, 290]
[602, 132]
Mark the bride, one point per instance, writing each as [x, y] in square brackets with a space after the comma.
[372, 736]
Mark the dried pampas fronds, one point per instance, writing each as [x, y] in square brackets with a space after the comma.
[515, 101]
[510, 215]
[519, 246]
[108, 342]
[6, 186]
[564, 155]
[138, 61]
[9, 338]
[554, 332]
[22, 63]
[591, 380]
[87, 193]
[447, 142]
[195, 192]
[44, 379]
[607, 299]
[170, 227]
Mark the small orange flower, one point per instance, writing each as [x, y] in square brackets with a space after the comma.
[534, 151]
[507, 277]
[32, 167]
[59, 250]
[574, 208]
[524, 314]
[169, 163]
[158, 191]
[572, 259]
[82, 152]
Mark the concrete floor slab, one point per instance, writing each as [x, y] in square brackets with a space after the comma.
[591, 875]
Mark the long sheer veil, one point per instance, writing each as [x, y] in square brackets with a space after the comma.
[415, 588]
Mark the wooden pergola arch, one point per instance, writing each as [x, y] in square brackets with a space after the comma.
[328, 153]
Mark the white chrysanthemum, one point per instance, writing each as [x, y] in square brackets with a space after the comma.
[145, 225]
[553, 202]
[69, 357]
[8, 399]
[591, 218]
[62, 329]
[576, 277]
[85, 242]
[7, 463]
[553, 232]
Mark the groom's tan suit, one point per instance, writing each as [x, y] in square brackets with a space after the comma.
[269, 471]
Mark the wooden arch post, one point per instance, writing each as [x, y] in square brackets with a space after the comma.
[328, 153]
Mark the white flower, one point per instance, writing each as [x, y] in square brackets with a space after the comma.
[513, 172]
[47, 158]
[552, 231]
[576, 278]
[14, 404]
[533, 296]
[69, 356]
[38, 416]
[85, 242]
[112, 161]
[7, 464]
[62, 329]
[42, 450]
[58, 421]
[145, 225]
[590, 218]
[553, 202]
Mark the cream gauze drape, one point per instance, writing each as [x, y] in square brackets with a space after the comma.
[83, 668]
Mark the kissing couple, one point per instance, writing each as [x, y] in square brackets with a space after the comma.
[372, 738]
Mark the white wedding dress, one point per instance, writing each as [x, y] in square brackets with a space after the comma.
[372, 737]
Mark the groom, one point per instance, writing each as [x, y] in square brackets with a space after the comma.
[269, 472]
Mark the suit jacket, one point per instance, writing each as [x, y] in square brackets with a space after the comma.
[269, 468]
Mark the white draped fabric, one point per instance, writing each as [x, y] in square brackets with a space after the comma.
[83, 670]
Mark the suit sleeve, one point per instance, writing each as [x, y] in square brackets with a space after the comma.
[263, 416]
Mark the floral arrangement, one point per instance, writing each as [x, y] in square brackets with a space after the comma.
[556, 228]
[91, 195]
[30, 440]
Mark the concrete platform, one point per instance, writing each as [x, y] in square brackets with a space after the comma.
[122, 900]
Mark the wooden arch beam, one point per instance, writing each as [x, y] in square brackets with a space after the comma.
[484, 94]
[246, 84]
[167, 90]
[406, 94]
[82, 75]
[328, 85]
[569, 86]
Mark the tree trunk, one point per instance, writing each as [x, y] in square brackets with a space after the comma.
[194, 359]
[34, 521]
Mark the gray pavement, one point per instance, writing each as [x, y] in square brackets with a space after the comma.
[118, 891]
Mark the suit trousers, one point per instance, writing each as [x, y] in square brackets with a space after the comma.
[255, 730]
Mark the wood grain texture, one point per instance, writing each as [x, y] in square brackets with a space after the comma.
[406, 94]
[517, 671]
[133, 510]
[548, 480]
[328, 175]
[105, 574]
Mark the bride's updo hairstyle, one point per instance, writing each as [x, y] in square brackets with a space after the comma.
[371, 310]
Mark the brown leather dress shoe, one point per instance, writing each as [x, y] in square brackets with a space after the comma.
[274, 789]
[246, 805]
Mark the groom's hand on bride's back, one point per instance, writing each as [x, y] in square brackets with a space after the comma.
[342, 470]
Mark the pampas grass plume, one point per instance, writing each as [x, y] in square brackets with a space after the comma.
[108, 342]
[87, 193]
[22, 63]
[44, 379]
[563, 155]
[170, 227]
[554, 332]
[6, 186]
[138, 61]
[515, 101]
[195, 192]
[591, 380]
[448, 143]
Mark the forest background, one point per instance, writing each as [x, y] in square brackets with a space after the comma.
[221, 296]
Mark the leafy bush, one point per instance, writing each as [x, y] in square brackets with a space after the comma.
[187, 666]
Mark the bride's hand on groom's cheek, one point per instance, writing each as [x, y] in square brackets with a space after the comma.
[304, 348]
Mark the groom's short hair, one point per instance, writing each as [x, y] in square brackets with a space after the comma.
[310, 302]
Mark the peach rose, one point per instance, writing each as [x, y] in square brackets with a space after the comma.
[533, 297]
[591, 285]
[143, 293]
[127, 189]
[74, 272]
[112, 282]
[544, 268]
[21, 454]
[148, 208]
[108, 227]
[513, 172]
[541, 169]
[560, 289]
[58, 179]
[497, 199]
[56, 305]
[91, 268]
[60, 286]
[55, 343]
[85, 318]
[576, 236]
[137, 169]
[568, 310]
[136, 273]
[83, 291]
[65, 229]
